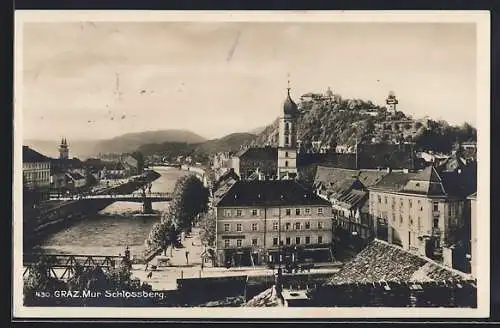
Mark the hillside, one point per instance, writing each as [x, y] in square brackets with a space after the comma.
[199, 151]
[131, 141]
[340, 121]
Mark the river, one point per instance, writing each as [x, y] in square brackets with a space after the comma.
[115, 227]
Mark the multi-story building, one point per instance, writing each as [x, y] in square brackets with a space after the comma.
[36, 171]
[263, 221]
[347, 192]
[419, 211]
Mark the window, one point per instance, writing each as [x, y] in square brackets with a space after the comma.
[276, 211]
[275, 241]
[400, 219]
[308, 211]
[297, 211]
[288, 212]
[435, 206]
[255, 212]
[409, 203]
[254, 242]
[308, 225]
[385, 200]
[286, 154]
[238, 242]
[254, 226]
[297, 240]
[320, 225]
[275, 225]
[308, 240]
[393, 217]
[320, 211]
[286, 163]
[287, 226]
[238, 212]
[401, 202]
[436, 223]
[287, 240]
[226, 227]
[411, 220]
[320, 239]
[227, 213]
[379, 199]
[226, 243]
[297, 226]
[238, 227]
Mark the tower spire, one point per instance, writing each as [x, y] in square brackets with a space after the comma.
[288, 84]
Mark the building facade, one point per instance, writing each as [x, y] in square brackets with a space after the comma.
[264, 221]
[36, 171]
[417, 211]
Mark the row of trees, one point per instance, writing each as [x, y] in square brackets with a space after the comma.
[190, 199]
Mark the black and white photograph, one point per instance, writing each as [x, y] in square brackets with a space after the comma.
[236, 164]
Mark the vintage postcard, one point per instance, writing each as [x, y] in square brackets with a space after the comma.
[251, 164]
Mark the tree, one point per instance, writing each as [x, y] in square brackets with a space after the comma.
[207, 225]
[190, 199]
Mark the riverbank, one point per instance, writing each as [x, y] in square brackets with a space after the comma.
[65, 214]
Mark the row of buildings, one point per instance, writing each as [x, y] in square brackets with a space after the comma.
[265, 213]
[70, 175]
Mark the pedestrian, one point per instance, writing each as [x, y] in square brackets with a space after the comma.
[146, 266]
[150, 275]
[187, 257]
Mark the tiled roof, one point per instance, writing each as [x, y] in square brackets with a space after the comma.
[269, 193]
[337, 181]
[353, 197]
[259, 153]
[426, 182]
[32, 156]
[380, 261]
[75, 175]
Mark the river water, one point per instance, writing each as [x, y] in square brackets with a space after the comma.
[115, 227]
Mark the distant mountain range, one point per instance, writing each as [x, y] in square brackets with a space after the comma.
[200, 151]
[122, 144]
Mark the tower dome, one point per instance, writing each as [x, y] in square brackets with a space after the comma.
[289, 106]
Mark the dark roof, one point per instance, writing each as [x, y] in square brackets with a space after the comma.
[338, 180]
[230, 174]
[289, 106]
[32, 156]
[259, 153]
[269, 193]
[426, 182]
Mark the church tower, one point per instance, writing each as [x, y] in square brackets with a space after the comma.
[287, 143]
[63, 149]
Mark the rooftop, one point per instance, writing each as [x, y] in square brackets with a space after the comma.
[259, 153]
[381, 261]
[32, 156]
[269, 193]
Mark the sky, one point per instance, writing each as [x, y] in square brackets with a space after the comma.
[97, 80]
